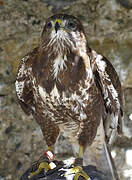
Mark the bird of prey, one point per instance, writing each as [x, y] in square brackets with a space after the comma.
[71, 89]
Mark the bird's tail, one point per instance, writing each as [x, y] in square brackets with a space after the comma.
[102, 159]
[111, 164]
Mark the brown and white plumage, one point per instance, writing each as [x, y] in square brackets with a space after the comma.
[69, 88]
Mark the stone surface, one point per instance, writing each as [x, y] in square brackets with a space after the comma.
[108, 26]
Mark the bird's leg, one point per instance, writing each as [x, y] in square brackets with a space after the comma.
[77, 169]
[79, 159]
[47, 155]
[44, 162]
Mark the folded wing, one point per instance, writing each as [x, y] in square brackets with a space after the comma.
[24, 84]
[112, 93]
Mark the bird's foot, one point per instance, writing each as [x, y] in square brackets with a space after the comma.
[44, 163]
[78, 171]
[42, 166]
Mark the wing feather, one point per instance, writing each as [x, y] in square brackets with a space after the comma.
[112, 93]
[23, 83]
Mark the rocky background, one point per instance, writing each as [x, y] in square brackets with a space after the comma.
[108, 24]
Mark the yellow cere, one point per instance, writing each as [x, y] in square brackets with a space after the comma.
[59, 21]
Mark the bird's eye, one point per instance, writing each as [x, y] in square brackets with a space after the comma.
[49, 25]
[72, 25]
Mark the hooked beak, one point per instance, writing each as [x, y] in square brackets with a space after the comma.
[57, 26]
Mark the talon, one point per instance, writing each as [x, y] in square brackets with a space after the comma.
[42, 165]
[78, 171]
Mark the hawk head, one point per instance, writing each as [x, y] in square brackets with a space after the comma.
[63, 33]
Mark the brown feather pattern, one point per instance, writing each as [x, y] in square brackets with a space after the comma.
[64, 95]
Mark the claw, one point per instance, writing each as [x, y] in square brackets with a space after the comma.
[43, 165]
[78, 171]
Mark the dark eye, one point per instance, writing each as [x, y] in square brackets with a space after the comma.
[49, 25]
[72, 25]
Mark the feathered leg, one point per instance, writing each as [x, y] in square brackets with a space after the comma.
[51, 133]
